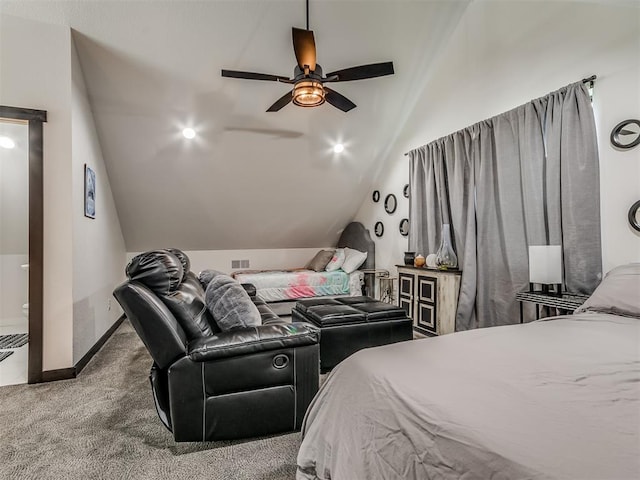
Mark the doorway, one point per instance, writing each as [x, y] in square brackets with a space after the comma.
[21, 247]
[14, 251]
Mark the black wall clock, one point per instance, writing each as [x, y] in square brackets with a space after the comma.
[626, 134]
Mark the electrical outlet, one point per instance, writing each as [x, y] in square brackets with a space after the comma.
[235, 263]
[244, 263]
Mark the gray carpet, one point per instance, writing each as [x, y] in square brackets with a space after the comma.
[103, 424]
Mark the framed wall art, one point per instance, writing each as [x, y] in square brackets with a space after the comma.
[89, 192]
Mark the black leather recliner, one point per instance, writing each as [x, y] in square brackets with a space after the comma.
[212, 385]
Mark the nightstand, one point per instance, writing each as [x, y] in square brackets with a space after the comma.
[566, 302]
[379, 276]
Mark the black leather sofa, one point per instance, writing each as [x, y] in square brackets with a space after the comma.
[212, 385]
[349, 324]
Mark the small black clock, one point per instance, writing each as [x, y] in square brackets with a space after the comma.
[626, 134]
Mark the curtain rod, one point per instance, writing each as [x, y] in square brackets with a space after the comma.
[590, 80]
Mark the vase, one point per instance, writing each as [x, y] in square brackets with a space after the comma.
[408, 257]
[419, 261]
[445, 257]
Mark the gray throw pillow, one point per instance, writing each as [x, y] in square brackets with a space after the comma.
[206, 276]
[320, 261]
[230, 305]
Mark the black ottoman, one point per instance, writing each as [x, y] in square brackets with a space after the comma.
[349, 324]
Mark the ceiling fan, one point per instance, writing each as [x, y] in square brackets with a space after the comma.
[308, 82]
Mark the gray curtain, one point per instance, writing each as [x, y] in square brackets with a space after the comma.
[526, 177]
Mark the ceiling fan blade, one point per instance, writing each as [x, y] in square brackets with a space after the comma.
[338, 100]
[281, 102]
[304, 46]
[255, 76]
[363, 71]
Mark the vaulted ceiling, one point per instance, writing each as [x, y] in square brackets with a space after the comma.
[249, 179]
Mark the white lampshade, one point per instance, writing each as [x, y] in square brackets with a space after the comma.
[545, 264]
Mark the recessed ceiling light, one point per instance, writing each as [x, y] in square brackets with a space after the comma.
[6, 142]
[338, 148]
[189, 133]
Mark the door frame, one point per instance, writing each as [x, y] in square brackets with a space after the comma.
[34, 119]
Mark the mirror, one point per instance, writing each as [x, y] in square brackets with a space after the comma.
[404, 227]
[390, 203]
[376, 196]
[405, 191]
[634, 216]
[379, 229]
[626, 134]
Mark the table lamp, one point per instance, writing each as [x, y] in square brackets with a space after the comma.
[545, 268]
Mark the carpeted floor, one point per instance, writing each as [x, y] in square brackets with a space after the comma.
[103, 424]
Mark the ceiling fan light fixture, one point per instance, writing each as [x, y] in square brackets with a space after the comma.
[308, 93]
[308, 80]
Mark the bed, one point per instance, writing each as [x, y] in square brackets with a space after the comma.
[286, 285]
[557, 398]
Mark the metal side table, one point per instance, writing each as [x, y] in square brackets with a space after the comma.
[379, 276]
[566, 302]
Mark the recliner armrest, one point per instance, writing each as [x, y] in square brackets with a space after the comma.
[252, 340]
[250, 288]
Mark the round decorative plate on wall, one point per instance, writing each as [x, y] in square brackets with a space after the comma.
[390, 203]
[404, 227]
[379, 229]
[405, 191]
[376, 196]
[634, 216]
[626, 134]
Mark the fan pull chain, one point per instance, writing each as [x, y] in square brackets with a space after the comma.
[307, 14]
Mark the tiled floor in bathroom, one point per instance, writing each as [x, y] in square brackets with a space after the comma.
[13, 369]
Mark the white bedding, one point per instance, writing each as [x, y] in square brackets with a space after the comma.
[554, 399]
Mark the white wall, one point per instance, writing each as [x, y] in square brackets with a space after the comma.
[259, 259]
[83, 259]
[35, 72]
[98, 247]
[504, 54]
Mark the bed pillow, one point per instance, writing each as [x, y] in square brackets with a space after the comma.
[336, 260]
[353, 259]
[320, 261]
[230, 304]
[617, 294]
